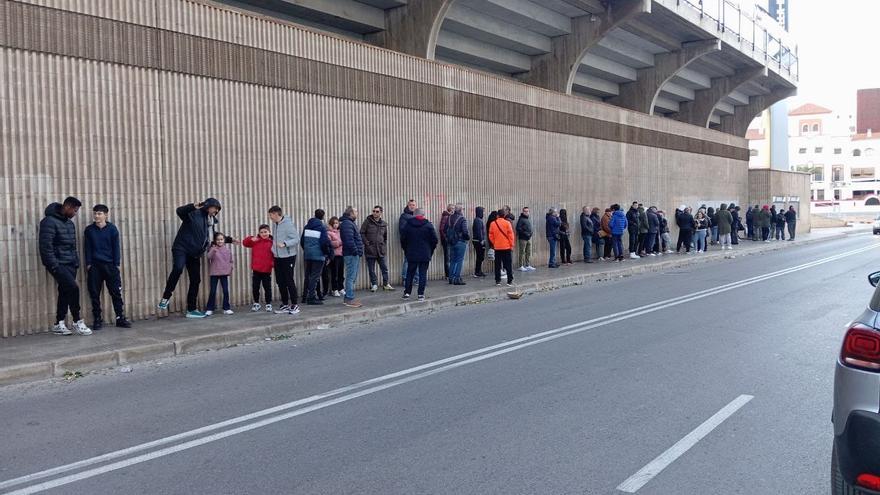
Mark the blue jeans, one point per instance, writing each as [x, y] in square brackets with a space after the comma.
[456, 259]
[552, 242]
[588, 247]
[701, 240]
[714, 233]
[600, 246]
[617, 244]
[212, 295]
[650, 239]
[352, 263]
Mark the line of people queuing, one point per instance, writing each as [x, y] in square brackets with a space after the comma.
[332, 251]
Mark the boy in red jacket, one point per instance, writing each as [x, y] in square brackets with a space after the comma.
[261, 263]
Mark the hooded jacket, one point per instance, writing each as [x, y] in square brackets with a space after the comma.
[618, 223]
[352, 244]
[285, 231]
[261, 253]
[724, 220]
[586, 226]
[684, 220]
[196, 230]
[643, 220]
[653, 221]
[102, 245]
[762, 218]
[401, 223]
[605, 225]
[597, 226]
[552, 226]
[375, 235]
[419, 240]
[335, 241]
[478, 227]
[57, 239]
[524, 229]
[219, 261]
[632, 219]
[315, 241]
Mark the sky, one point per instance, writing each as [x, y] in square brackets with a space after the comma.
[838, 43]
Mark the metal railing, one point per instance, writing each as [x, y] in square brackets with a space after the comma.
[757, 28]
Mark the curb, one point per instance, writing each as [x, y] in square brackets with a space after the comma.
[147, 352]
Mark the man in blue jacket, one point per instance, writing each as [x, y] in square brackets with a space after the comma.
[316, 251]
[618, 227]
[196, 231]
[456, 237]
[103, 257]
[352, 250]
[57, 239]
[552, 230]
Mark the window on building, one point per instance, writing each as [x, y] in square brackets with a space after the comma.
[863, 173]
[753, 152]
[820, 194]
[857, 152]
[802, 150]
[815, 127]
[818, 149]
[837, 174]
[837, 151]
[805, 129]
[862, 194]
[837, 194]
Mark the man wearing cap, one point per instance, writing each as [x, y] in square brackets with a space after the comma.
[199, 220]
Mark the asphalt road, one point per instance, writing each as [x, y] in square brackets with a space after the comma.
[576, 411]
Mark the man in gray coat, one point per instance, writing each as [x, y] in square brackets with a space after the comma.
[285, 246]
[57, 238]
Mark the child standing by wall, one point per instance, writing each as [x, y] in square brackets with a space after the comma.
[220, 267]
[262, 262]
[103, 257]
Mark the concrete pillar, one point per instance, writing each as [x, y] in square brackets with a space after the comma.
[412, 28]
[738, 123]
[699, 111]
[641, 94]
[556, 70]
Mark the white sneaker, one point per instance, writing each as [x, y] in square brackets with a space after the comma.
[633, 256]
[601, 258]
[228, 312]
[523, 269]
[61, 329]
[209, 313]
[668, 251]
[337, 293]
[81, 328]
[531, 268]
[374, 288]
[268, 308]
[294, 310]
[651, 254]
[256, 307]
[503, 273]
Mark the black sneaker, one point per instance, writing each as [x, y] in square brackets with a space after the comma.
[98, 324]
[121, 322]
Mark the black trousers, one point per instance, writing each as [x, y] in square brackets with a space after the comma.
[633, 241]
[284, 278]
[193, 265]
[336, 270]
[318, 286]
[313, 274]
[684, 237]
[101, 274]
[265, 280]
[606, 251]
[642, 239]
[480, 252]
[503, 257]
[412, 268]
[68, 293]
[792, 228]
[564, 249]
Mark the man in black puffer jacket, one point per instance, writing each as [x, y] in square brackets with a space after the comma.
[57, 237]
[193, 238]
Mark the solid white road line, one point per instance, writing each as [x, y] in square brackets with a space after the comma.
[653, 468]
[347, 393]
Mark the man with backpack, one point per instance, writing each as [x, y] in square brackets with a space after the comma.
[457, 237]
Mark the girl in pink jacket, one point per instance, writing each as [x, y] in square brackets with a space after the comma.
[220, 268]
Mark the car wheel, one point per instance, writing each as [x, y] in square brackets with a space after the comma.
[839, 486]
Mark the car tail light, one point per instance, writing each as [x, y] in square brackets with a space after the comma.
[869, 481]
[861, 348]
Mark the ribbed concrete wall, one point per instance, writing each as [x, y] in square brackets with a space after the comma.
[145, 139]
[765, 184]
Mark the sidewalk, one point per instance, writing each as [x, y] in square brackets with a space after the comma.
[42, 356]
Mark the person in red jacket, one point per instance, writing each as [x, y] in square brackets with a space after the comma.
[262, 262]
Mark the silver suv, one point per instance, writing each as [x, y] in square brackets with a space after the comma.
[855, 458]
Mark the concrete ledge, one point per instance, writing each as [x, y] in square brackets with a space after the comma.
[158, 349]
[86, 362]
[26, 373]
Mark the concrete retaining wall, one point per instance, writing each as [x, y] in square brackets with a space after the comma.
[187, 100]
